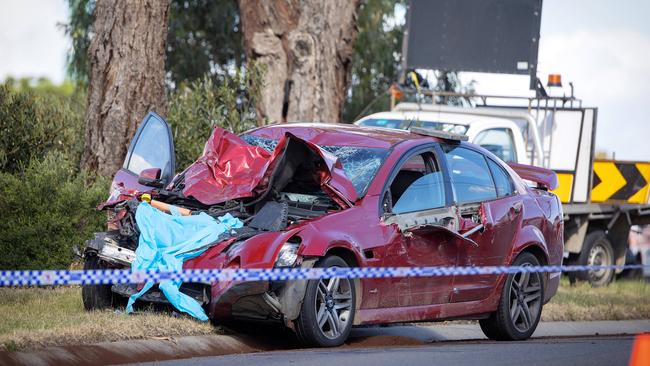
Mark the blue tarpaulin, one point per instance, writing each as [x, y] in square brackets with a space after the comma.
[166, 241]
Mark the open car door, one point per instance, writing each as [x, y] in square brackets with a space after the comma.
[150, 154]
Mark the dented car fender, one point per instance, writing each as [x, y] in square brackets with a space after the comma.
[260, 251]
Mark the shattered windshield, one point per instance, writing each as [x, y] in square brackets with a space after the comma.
[360, 164]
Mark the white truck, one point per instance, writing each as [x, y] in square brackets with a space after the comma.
[601, 199]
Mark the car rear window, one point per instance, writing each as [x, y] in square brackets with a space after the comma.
[360, 164]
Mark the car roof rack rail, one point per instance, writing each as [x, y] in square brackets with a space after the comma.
[450, 136]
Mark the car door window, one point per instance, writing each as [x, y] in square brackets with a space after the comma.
[498, 141]
[418, 185]
[502, 180]
[471, 179]
[151, 149]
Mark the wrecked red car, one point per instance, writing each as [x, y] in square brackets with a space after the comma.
[332, 195]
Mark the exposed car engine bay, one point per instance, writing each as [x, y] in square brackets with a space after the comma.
[295, 187]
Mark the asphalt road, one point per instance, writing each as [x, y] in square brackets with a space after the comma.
[588, 351]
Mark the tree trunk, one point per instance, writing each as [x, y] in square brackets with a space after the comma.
[127, 77]
[306, 47]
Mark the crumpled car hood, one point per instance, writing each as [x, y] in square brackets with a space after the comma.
[231, 168]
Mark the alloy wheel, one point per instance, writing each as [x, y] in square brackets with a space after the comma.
[525, 299]
[333, 306]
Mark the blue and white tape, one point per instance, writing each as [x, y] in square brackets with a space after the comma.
[113, 276]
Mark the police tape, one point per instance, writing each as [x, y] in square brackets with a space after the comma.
[123, 276]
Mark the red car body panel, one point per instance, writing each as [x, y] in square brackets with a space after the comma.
[529, 220]
[546, 178]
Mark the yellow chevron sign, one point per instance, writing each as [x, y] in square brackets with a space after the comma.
[563, 190]
[620, 181]
[613, 181]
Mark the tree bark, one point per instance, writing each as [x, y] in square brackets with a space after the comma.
[306, 47]
[127, 77]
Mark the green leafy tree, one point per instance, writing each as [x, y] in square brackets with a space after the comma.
[377, 58]
[196, 108]
[203, 37]
[79, 29]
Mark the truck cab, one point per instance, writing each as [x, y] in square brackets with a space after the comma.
[498, 135]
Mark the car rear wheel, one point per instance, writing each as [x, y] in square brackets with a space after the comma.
[327, 311]
[520, 306]
[96, 297]
[596, 251]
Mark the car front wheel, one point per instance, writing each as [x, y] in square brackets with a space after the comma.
[96, 297]
[327, 311]
[520, 306]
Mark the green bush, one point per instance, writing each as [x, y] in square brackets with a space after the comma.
[37, 120]
[46, 210]
[195, 109]
[47, 204]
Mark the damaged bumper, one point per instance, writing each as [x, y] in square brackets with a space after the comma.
[226, 300]
[107, 248]
[259, 300]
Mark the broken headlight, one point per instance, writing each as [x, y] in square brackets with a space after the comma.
[288, 255]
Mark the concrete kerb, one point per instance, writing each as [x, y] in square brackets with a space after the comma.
[143, 350]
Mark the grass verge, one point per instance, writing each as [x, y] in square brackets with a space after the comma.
[620, 300]
[40, 317]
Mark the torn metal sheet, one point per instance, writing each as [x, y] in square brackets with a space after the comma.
[229, 168]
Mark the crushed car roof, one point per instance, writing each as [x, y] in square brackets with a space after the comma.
[338, 134]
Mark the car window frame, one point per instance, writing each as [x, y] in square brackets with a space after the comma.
[486, 157]
[513, 188]
[169, 173]
[435, 150]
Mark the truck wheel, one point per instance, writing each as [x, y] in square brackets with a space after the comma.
[520, 306]
[596, 251]
[96, 297]
[327, 311]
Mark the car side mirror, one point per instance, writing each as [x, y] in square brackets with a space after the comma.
[151, 178]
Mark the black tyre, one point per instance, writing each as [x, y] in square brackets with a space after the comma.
[327, 311]
[96, 297]
[596, 251]
[520, 306]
